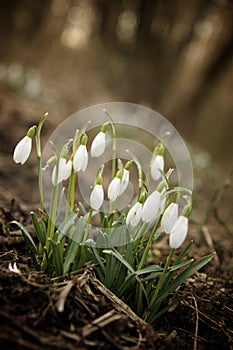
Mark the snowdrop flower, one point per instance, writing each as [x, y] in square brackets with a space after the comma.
[99, 143]
[23, 148]
[64, 171]
[178, 232]
[97, 197]
[134, 214]
[157, 166]
[80, 159]
[125, 177]
[169, 217]
[124, 181]
[114, 188]
[151, 207]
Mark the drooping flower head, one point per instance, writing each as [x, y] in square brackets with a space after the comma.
[80, 160]
[178, 232]
[125, 177]
[64, 171]
[114, 187]
[97, 194]
[24, 146]
[169, 217]
[134, 214]
[151, 207]
[99, 143]
[157, 164]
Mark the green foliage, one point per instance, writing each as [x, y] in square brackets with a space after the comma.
[120, 246]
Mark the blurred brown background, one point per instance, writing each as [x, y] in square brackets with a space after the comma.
[173, 56]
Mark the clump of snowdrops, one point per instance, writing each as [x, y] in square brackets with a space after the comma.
[120, 244]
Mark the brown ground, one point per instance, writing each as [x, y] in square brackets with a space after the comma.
[92, 316]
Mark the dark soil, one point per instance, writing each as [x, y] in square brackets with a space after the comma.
[31, 305]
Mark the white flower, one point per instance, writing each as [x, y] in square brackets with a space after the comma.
[114, 188]
[151, 207]
[97, 197]
[134, 214]
[156, 166]
[67, 170]
[178, 232]
[98, 145]
[22, 150]
[80, 159]
[124, 181]
[169, 217]
[64, 171]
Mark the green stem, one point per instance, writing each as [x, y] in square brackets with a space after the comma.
[71, 191]
[39, 162]
[149, 243]
[154, 297]
[51, 224]
[113, 127]
[88, 225]
[40, 183]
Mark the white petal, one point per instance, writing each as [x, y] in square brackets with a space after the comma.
[61, 171]
[80, 159]
[22, 150]
[178, 232]
[67, 170]
[157, 165]
[169, 217]
[113, 189]
[124, 181]
[134, 215]
[97, 197]
[151, 207]
[98, 145]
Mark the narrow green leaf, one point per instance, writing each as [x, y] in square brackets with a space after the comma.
[197, 265]
[41, 235]
[120, 258]
[71, 253]
[58, 257]
[66, 225]
[27, 236]
[149, 269]
[102, 270]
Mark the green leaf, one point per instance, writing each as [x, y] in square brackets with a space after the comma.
[197, 265]
[120, 258]
[27, 236]
[149, 269]
[66, 225]
[102, 270]
[41, 235]
[57, 257]
[71, 253]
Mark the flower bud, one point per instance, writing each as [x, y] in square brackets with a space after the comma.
[98, 145]
[22, 150]
[80, 158]
[97, 197]
[64, 171]
[114, 188]
[169, 217]
[157, 166]
[134, 214]
[124, 181]
[178, 232]
[151, 207]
